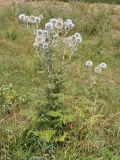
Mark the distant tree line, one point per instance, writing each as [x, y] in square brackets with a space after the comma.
[91, 1]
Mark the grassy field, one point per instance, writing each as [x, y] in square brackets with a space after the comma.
[95, 133]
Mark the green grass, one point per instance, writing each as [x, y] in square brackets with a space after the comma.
[95, 134]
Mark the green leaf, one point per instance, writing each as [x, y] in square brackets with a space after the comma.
[67, 119]
[61, 138]
[45, 135]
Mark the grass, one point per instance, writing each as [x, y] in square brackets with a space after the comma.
[96, 131]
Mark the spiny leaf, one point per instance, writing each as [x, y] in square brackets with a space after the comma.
[45, 135]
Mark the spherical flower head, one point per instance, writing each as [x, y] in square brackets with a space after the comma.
[70, 25]
[89, 63]
[39, 32]
[59, 24]
[37, 20]
[49, 26]
[77, 35]
[39, 39]
[68, 21]
[26, 19]
[78, 40]
[98, 70]
[31, 19]
[21, 17]
[103, 65]
[53, 21]
[45, 46]
[35, 45]
[45, 32]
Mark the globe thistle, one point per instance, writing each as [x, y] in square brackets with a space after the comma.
[40, 40]
[77, 35]
[49, 26]
[68, 21]
[53, 21]
[45, 46]
[38, 32]
[78, 40]
[37, 20]
[35, 45]
[45, 33]
[59, 23]
[22, 17]
[98, 70]
[26, 19]
[89, 63]
[31, 19]
[70, 25]
[103, 65]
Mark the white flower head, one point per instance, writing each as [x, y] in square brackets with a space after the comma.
[59, 23]
[35, 45]
[22, 17]
[45, 45]
[98, 70]
[103, 65]
[26, 19]
[78, 40]
[68, 21]
[77, 35]
[45, 33]
[53, 21]
[40, 40]
[31, 19]
[37, 20]
[49, 26]
[70, 25]
[89, 63]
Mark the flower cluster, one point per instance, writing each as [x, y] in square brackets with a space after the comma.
[59, 24]
[55, 31]
[72, 41]
[30, 19]
[99, 68]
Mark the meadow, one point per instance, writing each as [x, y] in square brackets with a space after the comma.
[87, 118]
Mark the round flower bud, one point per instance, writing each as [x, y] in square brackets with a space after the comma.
[98, 70]
[49, 26]
[59, 24]
[70, 25]
[21, 17]
[89, 63]
[103, 65]
[45, 46]
[78, 40]
[35, 45]
[37, 19]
